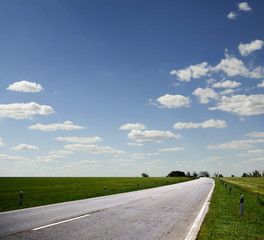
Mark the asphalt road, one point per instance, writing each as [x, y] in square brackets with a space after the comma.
[159, 213]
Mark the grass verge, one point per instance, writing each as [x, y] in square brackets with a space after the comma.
[223, 220]
[43, 191]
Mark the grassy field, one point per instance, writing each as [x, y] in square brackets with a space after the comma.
[223, 220]
[42, 191]
[253, 185]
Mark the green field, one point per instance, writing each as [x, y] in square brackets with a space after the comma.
[223, 220]
[254, 185]
[42, 191]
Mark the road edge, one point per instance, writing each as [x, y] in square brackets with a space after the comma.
[199, 219]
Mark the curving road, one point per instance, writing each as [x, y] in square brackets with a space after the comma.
[159, 213]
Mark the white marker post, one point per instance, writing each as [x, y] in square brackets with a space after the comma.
[21, 197]
[241, 205]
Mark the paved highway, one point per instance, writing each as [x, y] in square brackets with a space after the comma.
[165, 213]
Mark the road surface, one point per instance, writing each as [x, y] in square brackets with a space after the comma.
[165, 213]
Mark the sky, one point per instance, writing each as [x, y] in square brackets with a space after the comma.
[116, 88]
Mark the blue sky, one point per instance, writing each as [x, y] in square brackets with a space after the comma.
[118, 88]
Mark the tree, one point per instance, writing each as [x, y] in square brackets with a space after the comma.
[245, 175]
[176, 174]
[144, 175]
[256, 173]
[216, 174]
[195, 174]
[188, 174]
[220, 175]
[204, 174]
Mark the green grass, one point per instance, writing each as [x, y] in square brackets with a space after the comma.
[251, 184]
[223, 220]
[42, 191]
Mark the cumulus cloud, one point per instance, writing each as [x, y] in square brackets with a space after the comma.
[93, 149]
[25, 147]
[80, 139]
[261, 84]
[232, 15]
[1, 142]
[235, 67]
[244, 7]
[15, 158]
[255, 134]
[226, 84]
[193, 71]
[60, 152]
[174, 101]
[237, 144]
[176, 149]
[252, 153]
[68, 126]
[49, 158]
[241, 104]
[212, 123]
[211, 159]
[131, 126]
[25, 86]
[24, 110]
[204, 94]
[246, 49]
[135, 144]
[152, 136]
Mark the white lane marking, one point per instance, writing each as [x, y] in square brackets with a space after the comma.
[198, 222]
[53, 224]
[156, 195]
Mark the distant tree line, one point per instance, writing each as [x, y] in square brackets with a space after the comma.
[188, 174]
[255, 173]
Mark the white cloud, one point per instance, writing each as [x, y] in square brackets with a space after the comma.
[244, 7]
[256, 160]
[131, 126]
[255, 134]
[25, 147]
[235, 67]
[151, 136]
[138, 156]
[25, 86]
[226, 84]
[49, 158]
[193, 71]
[176, 149]
[204, 94]
[80, 139]
[61, 152]
[94, 149]
[241, 104]
[212, 123]
[16, 158]
[252, 153]
[246, 49]
[68, 126]
[227, 92]
[174, 101]
[1, 142]
[237, 144]
[24, 110]
[232, 15]
[135, 144]
[261, 84]
[211, 159]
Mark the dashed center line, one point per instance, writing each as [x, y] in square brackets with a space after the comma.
[68, 220]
